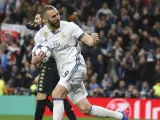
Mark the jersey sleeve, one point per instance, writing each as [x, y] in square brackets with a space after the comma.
[37, 39]
[33, 26]
[77, 32]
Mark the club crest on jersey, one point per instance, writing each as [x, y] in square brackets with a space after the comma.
[63, 35]
[45, 35]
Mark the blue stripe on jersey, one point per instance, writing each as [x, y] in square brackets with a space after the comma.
[75, 67]
[78, 48]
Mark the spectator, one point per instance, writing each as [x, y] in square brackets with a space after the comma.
[93, 84]
[144, 90]
[104, 10]
[106, 78]
[4, 60]
[115, 82]
[130, 90]
[107, 89]
[122, 88]
[99, 67]
[135, 94]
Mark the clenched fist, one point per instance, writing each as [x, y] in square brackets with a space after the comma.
[95, 37]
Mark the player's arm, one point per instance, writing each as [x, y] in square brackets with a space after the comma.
[33, 26]
[78, 33]
[90, 40]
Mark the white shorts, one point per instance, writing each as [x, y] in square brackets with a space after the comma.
[72, 79]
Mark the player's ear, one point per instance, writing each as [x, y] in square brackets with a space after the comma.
[45, 20]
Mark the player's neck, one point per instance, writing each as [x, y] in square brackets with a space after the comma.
[52, 28]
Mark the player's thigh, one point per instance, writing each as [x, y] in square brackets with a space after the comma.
[41, 79]
[66, 75]
[73, 87]
[48, 78]
[72, 74]
[59, 91]
[77, 92]
[72, 79]
[51, 78]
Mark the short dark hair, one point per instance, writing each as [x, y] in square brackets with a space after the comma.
[47, 8]
[39, 12]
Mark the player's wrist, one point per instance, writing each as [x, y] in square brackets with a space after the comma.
[95, 42]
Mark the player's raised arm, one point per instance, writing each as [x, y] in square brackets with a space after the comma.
[37, 24]
[78, 33]
[90, 40]
[33, 26]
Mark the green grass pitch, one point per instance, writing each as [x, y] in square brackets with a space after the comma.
[5, 117]
[45, 118]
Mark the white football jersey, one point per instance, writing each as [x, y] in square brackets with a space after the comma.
[63, 42]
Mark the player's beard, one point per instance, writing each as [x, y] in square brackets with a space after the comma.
[55, 25]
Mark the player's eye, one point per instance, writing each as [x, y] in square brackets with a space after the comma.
[53, 16]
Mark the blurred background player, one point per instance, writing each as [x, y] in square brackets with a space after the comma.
[47, 80]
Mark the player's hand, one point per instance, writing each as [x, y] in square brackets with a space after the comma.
[95, 37]
[40, 56]
[37, 59]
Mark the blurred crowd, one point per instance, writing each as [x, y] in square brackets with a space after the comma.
[126, 61]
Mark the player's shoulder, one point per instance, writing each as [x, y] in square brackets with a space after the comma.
[41, 32]
[66, 24]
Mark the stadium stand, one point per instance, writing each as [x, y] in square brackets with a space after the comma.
[125, 63]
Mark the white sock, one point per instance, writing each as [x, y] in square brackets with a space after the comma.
[102, 112]
[58, 109]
